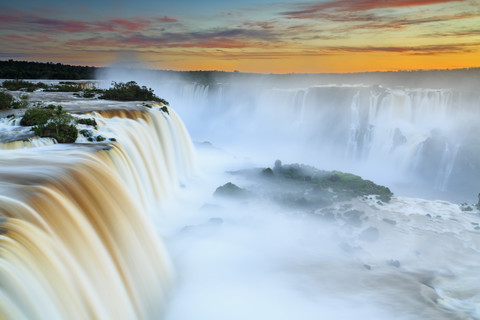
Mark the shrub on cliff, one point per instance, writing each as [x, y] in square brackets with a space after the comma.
[130, 91]
[15, 85]
[87, 121]
[38, 115]
[51, 121]
[6, 100]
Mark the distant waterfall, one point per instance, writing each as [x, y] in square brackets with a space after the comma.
[76, 241]
[373, 130]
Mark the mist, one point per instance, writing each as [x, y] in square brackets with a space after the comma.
[257, 258]
[417, 140]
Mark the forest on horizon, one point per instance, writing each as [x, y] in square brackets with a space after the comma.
[465, 78]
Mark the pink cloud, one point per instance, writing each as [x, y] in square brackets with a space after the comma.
[26, 21]
[60, 25]
[16, 38]
[167, 19]
[310, 11]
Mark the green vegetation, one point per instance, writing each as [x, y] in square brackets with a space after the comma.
[351, 186]
[87, 122]
[86, 133]
[51, 121]
[88, 93]
[69, 87]
[345, 185]
[16, 85]
[231, 190]
[165, 109]
[307, 188]
[457, 78]
[7, 101]
[38, 115]
[130, 91]
[22, 85]
[37, 70]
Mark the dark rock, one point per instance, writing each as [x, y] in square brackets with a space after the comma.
[394, 263]
[231, 190]
[267, 172]
[389, 221]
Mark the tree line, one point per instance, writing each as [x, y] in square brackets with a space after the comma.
[11, 69]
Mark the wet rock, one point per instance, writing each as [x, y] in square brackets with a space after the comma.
[231, 190]
[267, 173]
[394, 263]
[389, 221]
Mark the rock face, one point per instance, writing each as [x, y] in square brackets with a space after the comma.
[306, 187]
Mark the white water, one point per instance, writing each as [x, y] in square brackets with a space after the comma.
[417, 141]
[76, 233]
[255, 260]
[252, 259]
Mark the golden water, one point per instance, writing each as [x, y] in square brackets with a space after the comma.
[76, 237]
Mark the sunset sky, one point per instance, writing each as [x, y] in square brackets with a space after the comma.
[248, 36]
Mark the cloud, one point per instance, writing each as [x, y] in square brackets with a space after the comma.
[22, 21]
[216, 38]
[463, 32]
[167, 19]
[58, 25]
[313, 10]
[411, 50]
[4, 18]
[16, 38]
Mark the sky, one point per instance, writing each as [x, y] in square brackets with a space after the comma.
[261, 36]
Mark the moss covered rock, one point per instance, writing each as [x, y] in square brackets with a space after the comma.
[231, 190]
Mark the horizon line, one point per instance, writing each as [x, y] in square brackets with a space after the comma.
[246, 72]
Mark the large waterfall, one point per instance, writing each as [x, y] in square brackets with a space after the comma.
[419, 141]
[133, 228]
[77, 240]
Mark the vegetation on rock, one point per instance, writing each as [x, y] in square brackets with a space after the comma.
[51, 121]
[346, 185]
[16, 85]
[87, 121]
[86, 133]
[21, 85]
[7, 101]
[165, 109]
[307, 188]
[64, 87]
[130, 91]
[231, 190]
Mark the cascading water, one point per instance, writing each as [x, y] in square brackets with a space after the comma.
[77, 240]
[79, 223]
[396, 136]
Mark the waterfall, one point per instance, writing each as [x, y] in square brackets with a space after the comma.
[76, 239]
[393, 135]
